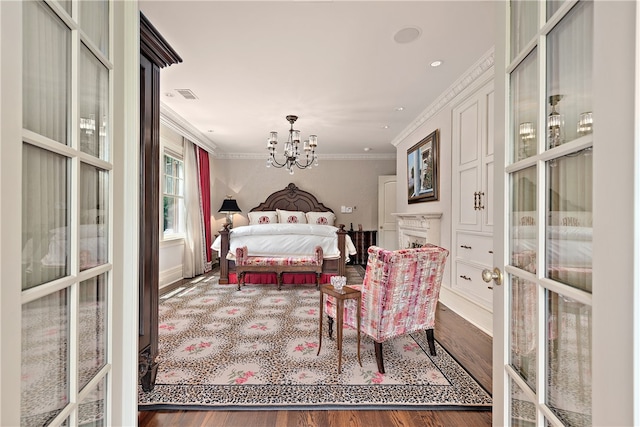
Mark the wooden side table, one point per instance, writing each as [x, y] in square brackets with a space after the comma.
[340, 296]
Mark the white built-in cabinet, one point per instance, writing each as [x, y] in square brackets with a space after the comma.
[472, 199]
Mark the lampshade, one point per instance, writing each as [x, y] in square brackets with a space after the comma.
[229, 205]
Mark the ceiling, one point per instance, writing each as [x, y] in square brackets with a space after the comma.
[335, 64]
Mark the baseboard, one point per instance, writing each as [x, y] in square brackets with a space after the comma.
[172, 275]
[479, 316]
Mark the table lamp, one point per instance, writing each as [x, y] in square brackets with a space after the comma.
[229, 206]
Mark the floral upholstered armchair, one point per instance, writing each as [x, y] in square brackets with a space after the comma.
[400, 292]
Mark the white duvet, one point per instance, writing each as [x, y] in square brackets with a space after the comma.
[567, 246]
[285, 240]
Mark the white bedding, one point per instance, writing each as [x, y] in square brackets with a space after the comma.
[567, 246]
[92, 250]
[285, 240]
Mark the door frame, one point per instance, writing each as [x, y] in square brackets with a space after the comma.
[383, 180]
[500, 308]
[124, 402]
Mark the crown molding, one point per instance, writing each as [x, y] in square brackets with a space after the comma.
[175, 122]
[475, 72]
[255, 156]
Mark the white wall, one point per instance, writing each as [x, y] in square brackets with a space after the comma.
[439, 116]
[334, 182]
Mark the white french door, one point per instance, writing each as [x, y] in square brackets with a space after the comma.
[68, 322]
[564, 242]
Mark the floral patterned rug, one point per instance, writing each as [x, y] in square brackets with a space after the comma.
[256, 348]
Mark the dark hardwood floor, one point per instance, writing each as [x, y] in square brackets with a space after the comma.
[470, 346]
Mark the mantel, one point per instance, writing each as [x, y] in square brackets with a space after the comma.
[416, 220]
[418, 228]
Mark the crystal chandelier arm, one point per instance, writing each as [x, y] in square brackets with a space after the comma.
[309, 160]
[275, 162]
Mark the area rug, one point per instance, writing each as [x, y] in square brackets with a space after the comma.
[256, 348]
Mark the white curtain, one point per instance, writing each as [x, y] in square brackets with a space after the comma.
[46, 67]
[194, 257]
[45, 203]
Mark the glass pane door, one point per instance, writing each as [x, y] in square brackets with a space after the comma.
[550, 193]
[66, 193]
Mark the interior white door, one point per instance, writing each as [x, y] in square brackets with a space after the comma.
[65, 293]
[544, 197]
[387, 234]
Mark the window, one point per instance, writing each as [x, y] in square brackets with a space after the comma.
[173, 224]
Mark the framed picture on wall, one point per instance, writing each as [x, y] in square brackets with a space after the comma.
[422, 169]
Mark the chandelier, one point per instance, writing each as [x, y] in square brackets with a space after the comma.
[292, 153]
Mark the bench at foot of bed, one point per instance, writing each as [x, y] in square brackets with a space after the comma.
[278, 265]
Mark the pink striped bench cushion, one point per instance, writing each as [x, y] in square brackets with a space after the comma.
[280, 261]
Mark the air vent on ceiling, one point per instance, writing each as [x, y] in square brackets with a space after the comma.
[187, 94]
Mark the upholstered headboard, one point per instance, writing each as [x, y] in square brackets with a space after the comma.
[292, 199]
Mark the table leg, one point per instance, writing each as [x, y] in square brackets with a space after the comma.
[320, 335]
[358, 317]
[340, 314]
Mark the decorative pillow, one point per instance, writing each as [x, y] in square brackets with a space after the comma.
[265, 217]
[321, 218]
[291, 217]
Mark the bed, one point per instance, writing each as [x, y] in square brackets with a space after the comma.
[567, 259]
[267, 235]
[568, 246]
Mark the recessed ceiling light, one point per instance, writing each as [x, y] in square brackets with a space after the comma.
[367, 148]
[407, 35]
[436, 63]
[385, 127]
[399, 108]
